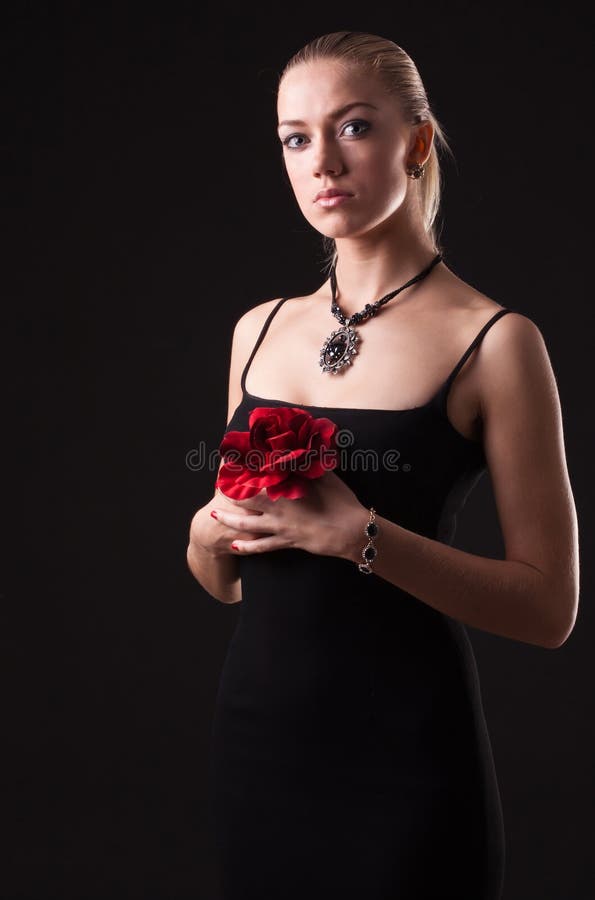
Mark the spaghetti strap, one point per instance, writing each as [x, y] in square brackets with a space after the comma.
[443, 392]
[263, 331]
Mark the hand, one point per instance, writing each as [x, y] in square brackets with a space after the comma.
[207, 534]
[325, 521]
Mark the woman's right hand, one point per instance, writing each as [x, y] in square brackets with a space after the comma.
[208, 534]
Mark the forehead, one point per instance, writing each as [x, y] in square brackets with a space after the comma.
[312, 90]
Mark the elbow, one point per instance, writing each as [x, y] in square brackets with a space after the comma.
[555, 642]
[559, 638]
[564, 620]
[190, 560]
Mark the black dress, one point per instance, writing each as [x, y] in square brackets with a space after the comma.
[349, 755]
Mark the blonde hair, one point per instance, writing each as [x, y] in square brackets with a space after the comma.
[401, 78]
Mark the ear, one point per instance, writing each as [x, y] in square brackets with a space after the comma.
[421, 143]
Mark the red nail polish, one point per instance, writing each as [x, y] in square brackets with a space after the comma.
[234, 547]
[213, 513]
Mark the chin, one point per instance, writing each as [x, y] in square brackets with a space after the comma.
[336, 221]
[348, 230]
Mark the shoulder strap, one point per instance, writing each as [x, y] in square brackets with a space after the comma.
[476, 341]
[263, 331]
[443, 392]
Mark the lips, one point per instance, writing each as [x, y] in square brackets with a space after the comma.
[331, 192]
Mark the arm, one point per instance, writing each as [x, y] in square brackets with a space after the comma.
[208, 555]
[217, 571]
[531, 595]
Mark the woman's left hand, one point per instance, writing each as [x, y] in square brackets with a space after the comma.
[326, 521]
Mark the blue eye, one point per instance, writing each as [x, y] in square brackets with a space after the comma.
[358, 122]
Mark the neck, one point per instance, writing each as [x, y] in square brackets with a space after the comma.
[367, 268]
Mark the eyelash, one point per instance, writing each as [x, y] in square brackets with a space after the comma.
[286, 140]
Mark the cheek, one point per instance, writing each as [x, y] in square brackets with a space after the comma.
[303, 184]
[385, 179]
[300, 176]
[383, 165]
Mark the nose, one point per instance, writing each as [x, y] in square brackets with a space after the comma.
[326, 158]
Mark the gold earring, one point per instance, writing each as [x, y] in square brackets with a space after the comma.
[416, 170]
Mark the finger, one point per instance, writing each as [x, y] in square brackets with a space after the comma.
[241, 522]
[261, 545]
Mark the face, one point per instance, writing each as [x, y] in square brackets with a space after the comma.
[363, 150]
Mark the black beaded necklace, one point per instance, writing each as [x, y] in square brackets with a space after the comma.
[339, 346]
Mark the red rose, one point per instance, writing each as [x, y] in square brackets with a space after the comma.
[285, 448]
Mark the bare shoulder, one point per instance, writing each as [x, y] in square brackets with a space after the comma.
[245, 335]
[512, 351]
[248, 327]
[510, 335]
[518, 395]
[514, 348]
[255, 317]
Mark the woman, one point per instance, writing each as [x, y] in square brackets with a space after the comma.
[350, 754]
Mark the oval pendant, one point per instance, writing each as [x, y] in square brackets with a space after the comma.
[338, 349]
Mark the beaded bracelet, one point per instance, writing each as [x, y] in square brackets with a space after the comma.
[369, 552]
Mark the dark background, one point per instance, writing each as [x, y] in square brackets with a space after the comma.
[144, 210]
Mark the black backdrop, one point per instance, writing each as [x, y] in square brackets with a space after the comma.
[145, 208]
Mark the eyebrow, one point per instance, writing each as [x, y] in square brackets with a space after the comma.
[334, 115]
